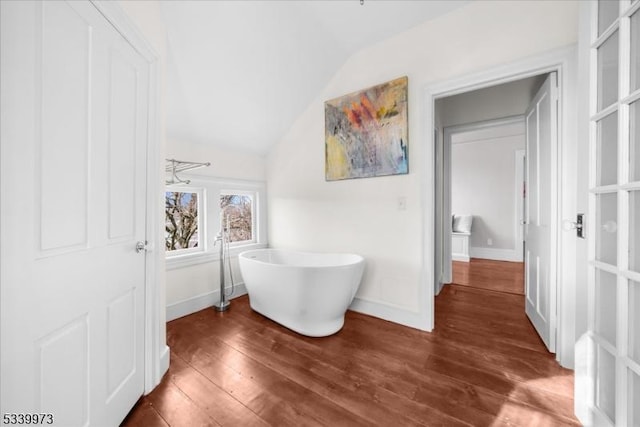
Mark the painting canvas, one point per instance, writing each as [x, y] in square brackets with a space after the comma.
[366, 132]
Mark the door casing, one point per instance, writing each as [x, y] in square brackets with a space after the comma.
[564, 62]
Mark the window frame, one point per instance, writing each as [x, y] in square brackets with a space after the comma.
[254, 197]
[214, 187]
[202, 213]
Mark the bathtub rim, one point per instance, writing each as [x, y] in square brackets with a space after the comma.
[359, 259]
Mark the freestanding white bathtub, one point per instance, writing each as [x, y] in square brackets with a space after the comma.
[308, 293]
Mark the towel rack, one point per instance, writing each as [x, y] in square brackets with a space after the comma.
[174, 166]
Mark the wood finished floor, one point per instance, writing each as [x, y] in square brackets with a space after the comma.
[489, 274]
[482, 366]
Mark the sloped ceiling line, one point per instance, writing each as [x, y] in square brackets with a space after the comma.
[240, 72]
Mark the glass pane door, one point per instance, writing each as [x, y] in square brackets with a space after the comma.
[614, 212]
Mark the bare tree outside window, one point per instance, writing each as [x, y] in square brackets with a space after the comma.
[181, 220]
[238, 208]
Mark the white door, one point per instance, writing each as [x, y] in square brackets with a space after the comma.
[610, 360]
[74, 116]
[541, 141]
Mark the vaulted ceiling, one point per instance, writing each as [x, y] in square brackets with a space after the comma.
[240, 72]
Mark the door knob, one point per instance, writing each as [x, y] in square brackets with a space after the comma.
[141, 246]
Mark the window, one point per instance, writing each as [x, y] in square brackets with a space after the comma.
[183, 231]
[236, 212]
[195, 212]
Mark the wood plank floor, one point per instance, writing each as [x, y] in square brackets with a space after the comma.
[482, 366]
[489, 274]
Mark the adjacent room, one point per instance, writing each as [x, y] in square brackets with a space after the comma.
[332, 213]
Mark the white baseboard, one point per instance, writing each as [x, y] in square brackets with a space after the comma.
[387, 312]
[372, 308]
[496, 254]
[200, 302]
[463, 258]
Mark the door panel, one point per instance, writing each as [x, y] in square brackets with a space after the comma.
[606, 382]
[123, 132]
[121, 340]
[72, 285]
[63, 358]
[541, 125]
[63, 50]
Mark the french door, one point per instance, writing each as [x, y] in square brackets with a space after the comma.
[614, 216]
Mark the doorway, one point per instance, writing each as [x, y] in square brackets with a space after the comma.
[471, 126]
[563, 62]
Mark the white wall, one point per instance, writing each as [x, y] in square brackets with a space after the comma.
[195, 285]
[483, 185]
[225, 163]
[362, 215]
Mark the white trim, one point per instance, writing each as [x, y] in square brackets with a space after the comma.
[483, 125]
[253, 194]
[121, 22]
[213, 187]
[165, 356]
[188, 260]
[236, 184]
[388, 312]
[202, 201]
[519, 205]
[155, 348]
[200, 302]
[563, 61]
[496, 254]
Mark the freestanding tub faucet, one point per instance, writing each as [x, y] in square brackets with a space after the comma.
[223, 304]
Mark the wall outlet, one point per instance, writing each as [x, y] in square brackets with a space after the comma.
[489, 242]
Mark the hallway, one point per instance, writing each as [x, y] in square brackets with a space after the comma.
[501, 276]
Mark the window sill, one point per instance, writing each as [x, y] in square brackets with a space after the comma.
[187, 260]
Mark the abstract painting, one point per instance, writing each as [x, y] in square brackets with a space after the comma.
[366, 132]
